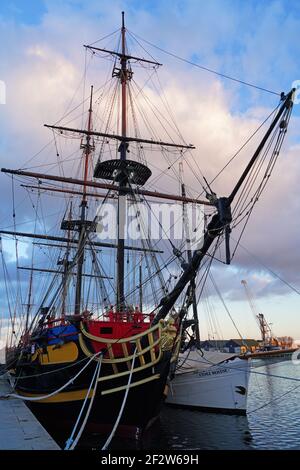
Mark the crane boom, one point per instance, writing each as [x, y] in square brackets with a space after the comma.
[266, 334]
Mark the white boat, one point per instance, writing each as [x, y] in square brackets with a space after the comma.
[215, 382]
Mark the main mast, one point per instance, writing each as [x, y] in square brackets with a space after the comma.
[124, 77]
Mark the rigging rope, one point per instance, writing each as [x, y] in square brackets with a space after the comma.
[71, 442]
[205, 361]
[228, 77]
[108, 441]
[43, 397]
[273, 399]
[281, 130]
[268, 268]
[225, 306]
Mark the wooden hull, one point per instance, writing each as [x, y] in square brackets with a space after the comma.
[142, 408]
[45, 371]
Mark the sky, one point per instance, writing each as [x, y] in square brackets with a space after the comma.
[42, 61]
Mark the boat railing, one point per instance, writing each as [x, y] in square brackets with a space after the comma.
[145, 349]
[134, 316]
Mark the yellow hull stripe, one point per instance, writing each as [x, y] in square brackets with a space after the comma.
[133, 384]
[61, 397]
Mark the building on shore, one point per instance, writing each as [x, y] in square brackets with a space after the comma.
[236, 346]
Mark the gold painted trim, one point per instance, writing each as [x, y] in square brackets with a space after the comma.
[119, 374]
[139, 348]
[127, 372]
[134, 384]
[61, 397]
[116, 360]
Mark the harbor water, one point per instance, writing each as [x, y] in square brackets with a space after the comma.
[272, 421]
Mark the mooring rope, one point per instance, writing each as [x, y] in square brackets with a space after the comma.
[43, 397]
[71, 443]
[108, 441]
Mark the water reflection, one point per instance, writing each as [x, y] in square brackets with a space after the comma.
[272, 421]
[186, 429]
[273, 407]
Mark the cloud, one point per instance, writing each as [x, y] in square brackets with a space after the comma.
[44, 76]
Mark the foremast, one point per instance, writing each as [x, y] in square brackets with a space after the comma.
[88, 147]
[193, 299]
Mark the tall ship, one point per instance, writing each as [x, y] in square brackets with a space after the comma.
[93, 351]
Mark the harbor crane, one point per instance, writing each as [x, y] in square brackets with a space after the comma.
[265, 329]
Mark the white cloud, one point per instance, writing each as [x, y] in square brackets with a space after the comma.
[44, 68]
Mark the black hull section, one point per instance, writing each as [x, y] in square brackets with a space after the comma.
[141, 410]
[59, 414]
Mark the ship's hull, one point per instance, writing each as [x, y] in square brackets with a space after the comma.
[141, 410]
[260, 358]
[220, 388]
[49, 369]
[60, 412]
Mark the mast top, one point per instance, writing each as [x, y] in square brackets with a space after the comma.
[122, 55]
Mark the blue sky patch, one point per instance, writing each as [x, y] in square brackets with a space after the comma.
[27, 12]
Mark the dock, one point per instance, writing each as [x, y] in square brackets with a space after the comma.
[19, 428]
